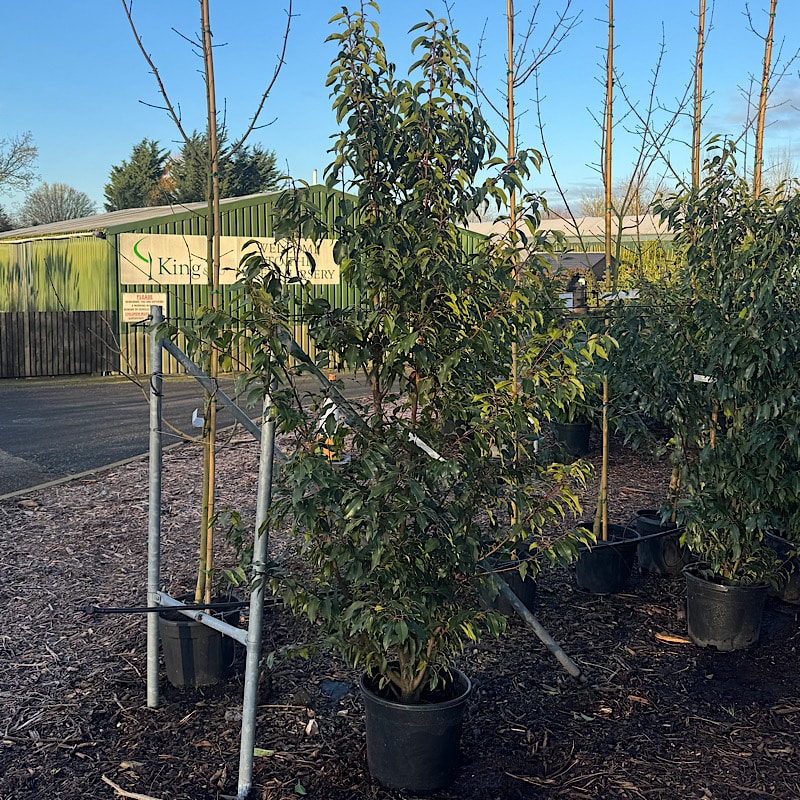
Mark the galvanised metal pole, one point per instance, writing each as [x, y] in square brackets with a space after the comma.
[212, 388]
[255, 623]
[154, 506]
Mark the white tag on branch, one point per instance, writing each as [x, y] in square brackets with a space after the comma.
[702, 379]
[329, 408]
[197, 420]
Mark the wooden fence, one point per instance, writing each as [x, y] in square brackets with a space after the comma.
[47, 343]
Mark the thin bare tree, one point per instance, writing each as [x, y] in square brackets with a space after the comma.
[524, 58]
[655, 127]
[18, 155]
[697, 115]
[203, 44]
[774, 68]
[758, 152]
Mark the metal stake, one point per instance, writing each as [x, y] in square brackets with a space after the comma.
[154, 507]
[255, 623]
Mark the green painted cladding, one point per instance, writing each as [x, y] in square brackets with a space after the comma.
[65, 274]
[80, 272]
[245, 217]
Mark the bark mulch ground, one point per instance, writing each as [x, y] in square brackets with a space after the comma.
[658, 718]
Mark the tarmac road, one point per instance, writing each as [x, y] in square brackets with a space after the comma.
[53, 428]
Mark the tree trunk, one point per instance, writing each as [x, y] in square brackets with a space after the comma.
[213, 262]
[697, 114]
[758, 155]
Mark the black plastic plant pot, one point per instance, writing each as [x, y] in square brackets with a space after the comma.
[574, 436]
[606, 568]
[725, 617]
[194, 654]
[524, 589]
[660, 551]
[415, 747]
[789, 591]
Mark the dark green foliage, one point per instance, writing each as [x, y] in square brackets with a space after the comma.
[740, 327]
[6, 223]
[390, 548]
[152, 177]
[139, 182]
[249, 170]
[441, 477]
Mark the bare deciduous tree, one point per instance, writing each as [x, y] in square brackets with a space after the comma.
[18, 155]
[697, 114]
[214, 134]
[773, 70]
[762, 100]
[54, 202]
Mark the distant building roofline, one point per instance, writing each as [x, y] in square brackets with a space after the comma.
[110, 220]
[589, 229]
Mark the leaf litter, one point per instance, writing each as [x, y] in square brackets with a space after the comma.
[658, 717]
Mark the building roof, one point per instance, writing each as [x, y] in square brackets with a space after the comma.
[129, 217]
[590, 229]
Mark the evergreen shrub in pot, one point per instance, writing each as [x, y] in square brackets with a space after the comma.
[743, 337]
[392, 550]
[656, 406]
[574, 418]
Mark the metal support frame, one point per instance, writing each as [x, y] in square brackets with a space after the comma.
[252, 636]
[210, 386]
[255, 623]
[209, 620]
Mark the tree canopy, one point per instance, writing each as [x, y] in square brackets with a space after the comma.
[141, 181]
[17, 158]
[152, 176]
[53, 202]
[248, 170]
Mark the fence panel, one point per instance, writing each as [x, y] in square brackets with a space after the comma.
[47, 343]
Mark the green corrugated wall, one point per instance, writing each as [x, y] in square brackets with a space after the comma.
[60, 274]
[81, 272]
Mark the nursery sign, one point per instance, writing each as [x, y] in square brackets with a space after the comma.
[161, 258]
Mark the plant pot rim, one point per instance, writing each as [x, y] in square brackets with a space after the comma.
[653, 513]
[629, 536]
[690, 572]
[783, 536]
[667, 529]
[421, 708]
[218, 607]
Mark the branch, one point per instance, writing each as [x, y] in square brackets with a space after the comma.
[169, 108]
[525, 63]
[650, 151]
[562, 27]
[120, 791]
[270, 85]
[548, 158]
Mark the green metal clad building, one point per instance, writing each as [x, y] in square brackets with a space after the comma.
[73, 295]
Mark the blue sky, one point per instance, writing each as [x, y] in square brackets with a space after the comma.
[77, 81]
